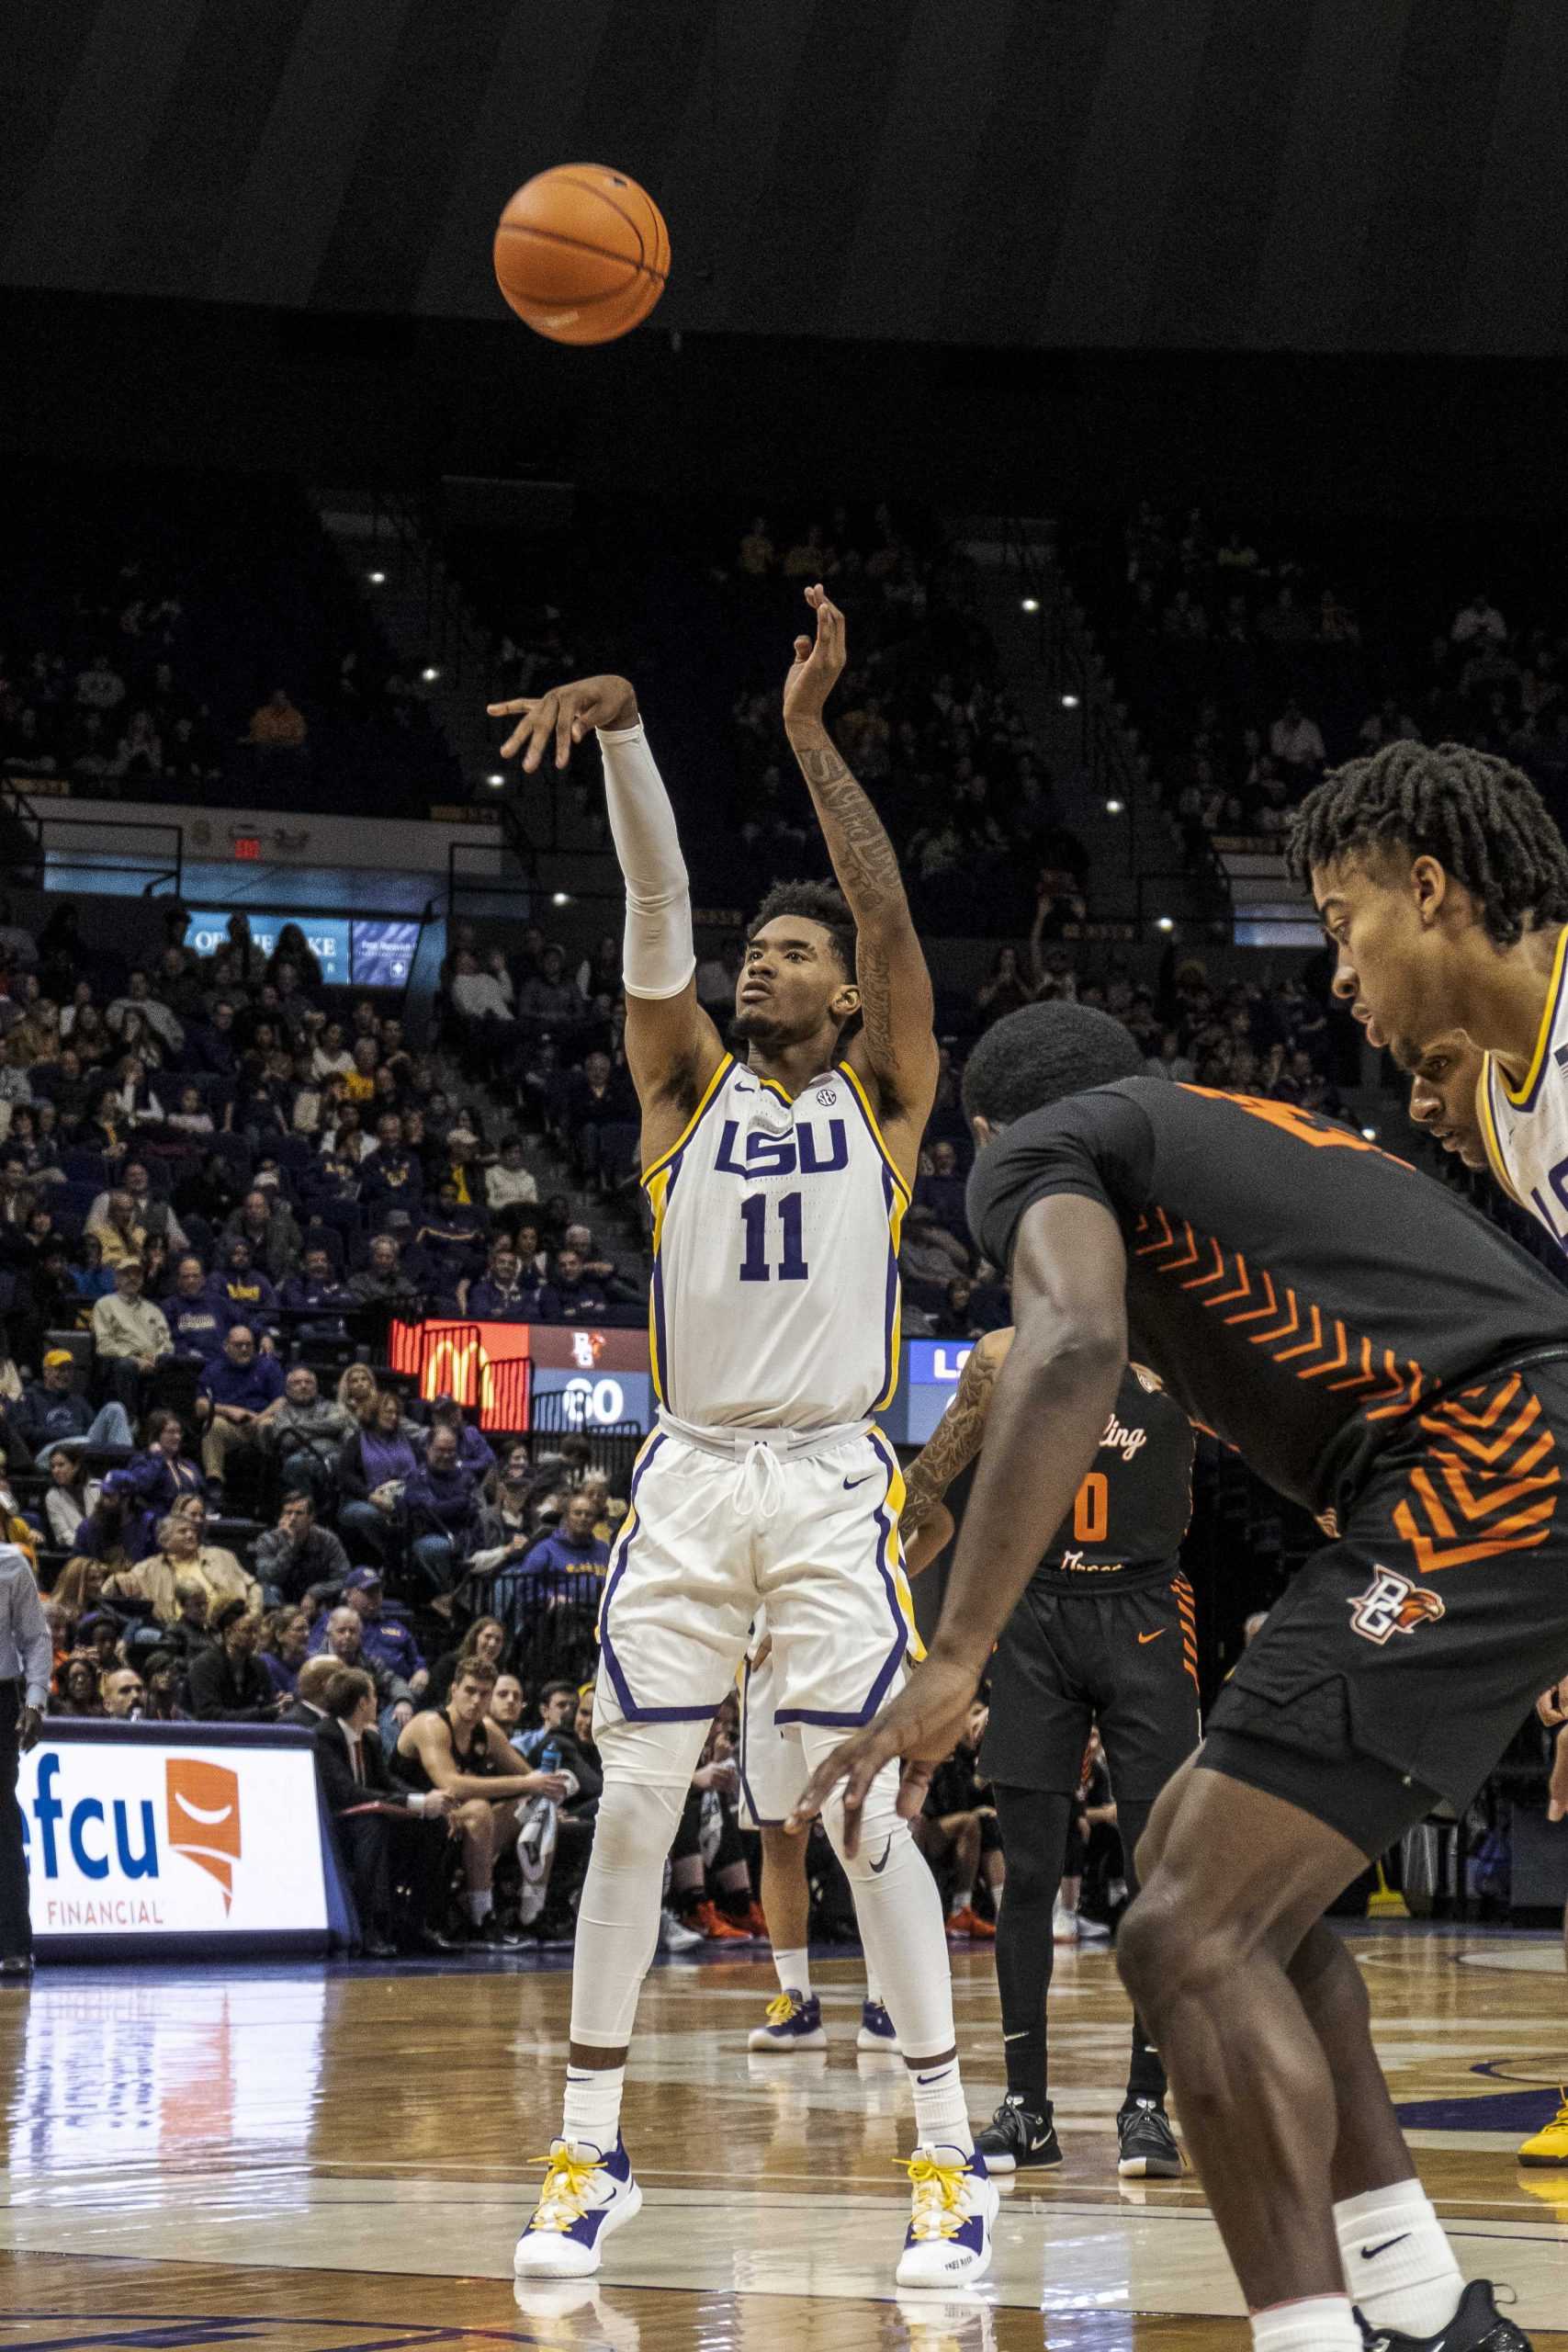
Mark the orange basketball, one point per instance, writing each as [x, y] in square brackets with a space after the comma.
[582, 253]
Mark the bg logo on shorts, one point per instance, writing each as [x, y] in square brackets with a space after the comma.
[1392, 1604]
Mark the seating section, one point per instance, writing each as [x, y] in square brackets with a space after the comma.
[169, 640]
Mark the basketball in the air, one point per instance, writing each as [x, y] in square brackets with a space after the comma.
[582, 253]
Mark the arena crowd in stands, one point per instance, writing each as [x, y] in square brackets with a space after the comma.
[1252, 658]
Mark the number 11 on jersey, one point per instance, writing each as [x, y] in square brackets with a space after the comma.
[754, 1266]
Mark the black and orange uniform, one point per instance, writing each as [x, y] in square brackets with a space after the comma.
[481, 1760]
[1105, 1634]
[1378, 1352]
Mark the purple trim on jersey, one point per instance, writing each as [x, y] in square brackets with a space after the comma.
[762, 1820]
[890, 1304]
[656, 1292]
[895, 1658]
[633, 1712]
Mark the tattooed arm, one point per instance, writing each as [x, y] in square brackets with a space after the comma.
[897, 1048]
[952, 1445]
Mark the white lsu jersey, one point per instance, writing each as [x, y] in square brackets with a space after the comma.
[775, 1300]
[1526, 1130]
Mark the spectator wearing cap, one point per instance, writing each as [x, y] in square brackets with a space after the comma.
[297, 1558]
[199, 1321]
[238, 1388]
[131, 1338]
[384, 1848]
[51, 1417]
[228, 1682]
[385, 1640]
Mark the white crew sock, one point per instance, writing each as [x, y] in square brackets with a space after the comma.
[1399, 2266]
[940, 2120]
[874, 1986]
[592, 2109]
[963, 1900]
[1318, 2324]
[794, 1973]
[480, 1903]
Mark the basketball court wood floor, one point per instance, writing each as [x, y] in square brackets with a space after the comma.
[337, 2160]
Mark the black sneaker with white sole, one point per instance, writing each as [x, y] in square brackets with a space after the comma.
[1018, 2140]
[1477, 2326]
[1148, 2144]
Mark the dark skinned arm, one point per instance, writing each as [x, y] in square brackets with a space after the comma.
[1069, 1348]
[949, 1449]
[896, 1048]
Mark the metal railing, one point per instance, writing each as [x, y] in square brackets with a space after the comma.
[1107, 744]
[94, 846]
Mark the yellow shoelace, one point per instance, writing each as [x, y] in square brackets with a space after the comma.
[781, 2009]
[563, 2200]
[939, 2198]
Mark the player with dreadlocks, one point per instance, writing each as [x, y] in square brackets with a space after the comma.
[1443, 884]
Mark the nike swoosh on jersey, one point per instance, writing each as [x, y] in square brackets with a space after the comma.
[1150, 1637]
[851, 1484]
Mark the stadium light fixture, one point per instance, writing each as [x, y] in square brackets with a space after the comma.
[1371, 1133]
[1069, 702]
[1029, 604]
[497, 779]
[376, 579]
[430, 673]
[560, 898]
[1113, 808]
[1163, 923]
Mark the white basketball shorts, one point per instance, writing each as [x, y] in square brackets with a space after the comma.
[721, 1529]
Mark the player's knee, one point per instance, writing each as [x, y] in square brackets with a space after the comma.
[635, 1824]
[884, 1848]
[1168, 1952]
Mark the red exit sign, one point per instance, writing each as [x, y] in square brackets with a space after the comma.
[247, 846]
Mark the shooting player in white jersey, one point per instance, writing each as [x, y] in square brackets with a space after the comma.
[777, 1184]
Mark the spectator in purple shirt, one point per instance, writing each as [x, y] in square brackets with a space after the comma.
[442, 1508]
[200, 1318]
[238, 1389]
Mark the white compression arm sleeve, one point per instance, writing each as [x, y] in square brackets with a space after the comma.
[659, 955]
